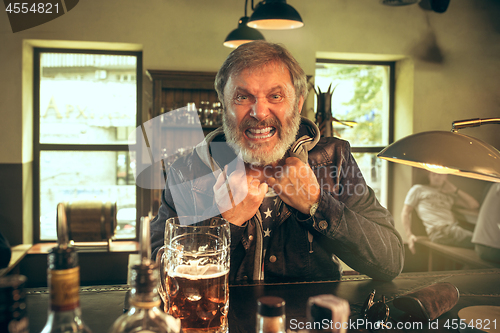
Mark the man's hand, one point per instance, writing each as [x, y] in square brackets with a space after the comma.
[411, 243]
[296, 185]
[240, 197]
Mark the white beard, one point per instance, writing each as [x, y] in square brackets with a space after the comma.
[250, 151]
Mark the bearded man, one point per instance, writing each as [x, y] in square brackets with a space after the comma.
[300, 202]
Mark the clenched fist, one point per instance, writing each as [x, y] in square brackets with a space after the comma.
[296, 185]
[238, 196]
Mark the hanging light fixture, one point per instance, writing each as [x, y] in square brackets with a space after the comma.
[243, 34]
[398, 2]
[448, 152]
[275, 15]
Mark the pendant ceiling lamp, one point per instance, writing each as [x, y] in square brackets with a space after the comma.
[448, 152]
[398, 2]
[275, 15]
[243, 34]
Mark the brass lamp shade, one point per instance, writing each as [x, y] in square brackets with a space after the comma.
[446, 152]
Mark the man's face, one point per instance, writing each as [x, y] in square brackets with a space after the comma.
[436, 179]
[262, 115]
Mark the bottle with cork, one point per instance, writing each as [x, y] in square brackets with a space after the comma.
[271, 315]
[63, 279]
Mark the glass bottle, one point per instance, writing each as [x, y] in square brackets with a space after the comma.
[271, 315]
[144, 314]
[63, 279]
[13, 315]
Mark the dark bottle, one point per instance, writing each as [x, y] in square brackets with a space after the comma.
[13, 315]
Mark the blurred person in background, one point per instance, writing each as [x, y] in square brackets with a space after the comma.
[433, 203]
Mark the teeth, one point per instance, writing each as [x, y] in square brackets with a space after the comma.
[260, 130]
[262, 133]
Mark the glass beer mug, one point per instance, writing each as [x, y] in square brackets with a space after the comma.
[194, 272]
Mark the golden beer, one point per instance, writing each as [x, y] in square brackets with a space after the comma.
[194, 271]
[200, 300]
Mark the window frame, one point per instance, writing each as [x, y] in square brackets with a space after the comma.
[392, 96]
[39, 147]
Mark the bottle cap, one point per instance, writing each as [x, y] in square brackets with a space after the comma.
[62, 258]
[271, 306]
[144, 278]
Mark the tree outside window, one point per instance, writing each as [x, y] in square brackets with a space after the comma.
[361, 98]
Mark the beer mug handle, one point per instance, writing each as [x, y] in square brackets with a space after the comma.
[159, 261]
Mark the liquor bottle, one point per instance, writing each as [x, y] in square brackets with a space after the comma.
[271, 315]
[63, 279]
[144, 314]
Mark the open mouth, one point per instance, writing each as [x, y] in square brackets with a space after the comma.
[260, 133]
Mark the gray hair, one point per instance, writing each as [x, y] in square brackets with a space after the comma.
[256, 55]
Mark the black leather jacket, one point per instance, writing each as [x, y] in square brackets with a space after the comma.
[349, 223]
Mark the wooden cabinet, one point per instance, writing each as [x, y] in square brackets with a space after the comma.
[174, 89]
[168, 91]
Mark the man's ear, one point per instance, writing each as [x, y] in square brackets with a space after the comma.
[301, 103]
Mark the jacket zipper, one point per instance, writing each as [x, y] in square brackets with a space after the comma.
[259, 260]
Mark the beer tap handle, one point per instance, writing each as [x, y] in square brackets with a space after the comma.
[144, 242]
[62, 226]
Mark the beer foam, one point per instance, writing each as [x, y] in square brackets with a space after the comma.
[196, 272]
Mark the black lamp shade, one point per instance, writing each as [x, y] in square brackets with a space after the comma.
[243, 34]
[275, 15]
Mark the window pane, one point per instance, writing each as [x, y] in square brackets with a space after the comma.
[87, 175]
[361, 95]
[87, 98]
[374, 171]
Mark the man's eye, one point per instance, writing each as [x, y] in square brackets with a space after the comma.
[276, 98]
[242, 99]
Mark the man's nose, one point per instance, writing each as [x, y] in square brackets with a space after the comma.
[260, 109]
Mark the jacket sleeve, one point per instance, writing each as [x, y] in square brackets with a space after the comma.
[175, 182]
[181, 198]
[353, 224]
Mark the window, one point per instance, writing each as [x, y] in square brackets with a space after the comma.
[86, 104]
[362, 100]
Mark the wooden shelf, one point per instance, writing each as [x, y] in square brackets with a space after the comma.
[170, 90]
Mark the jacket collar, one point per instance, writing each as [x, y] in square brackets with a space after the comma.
[307, 137]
